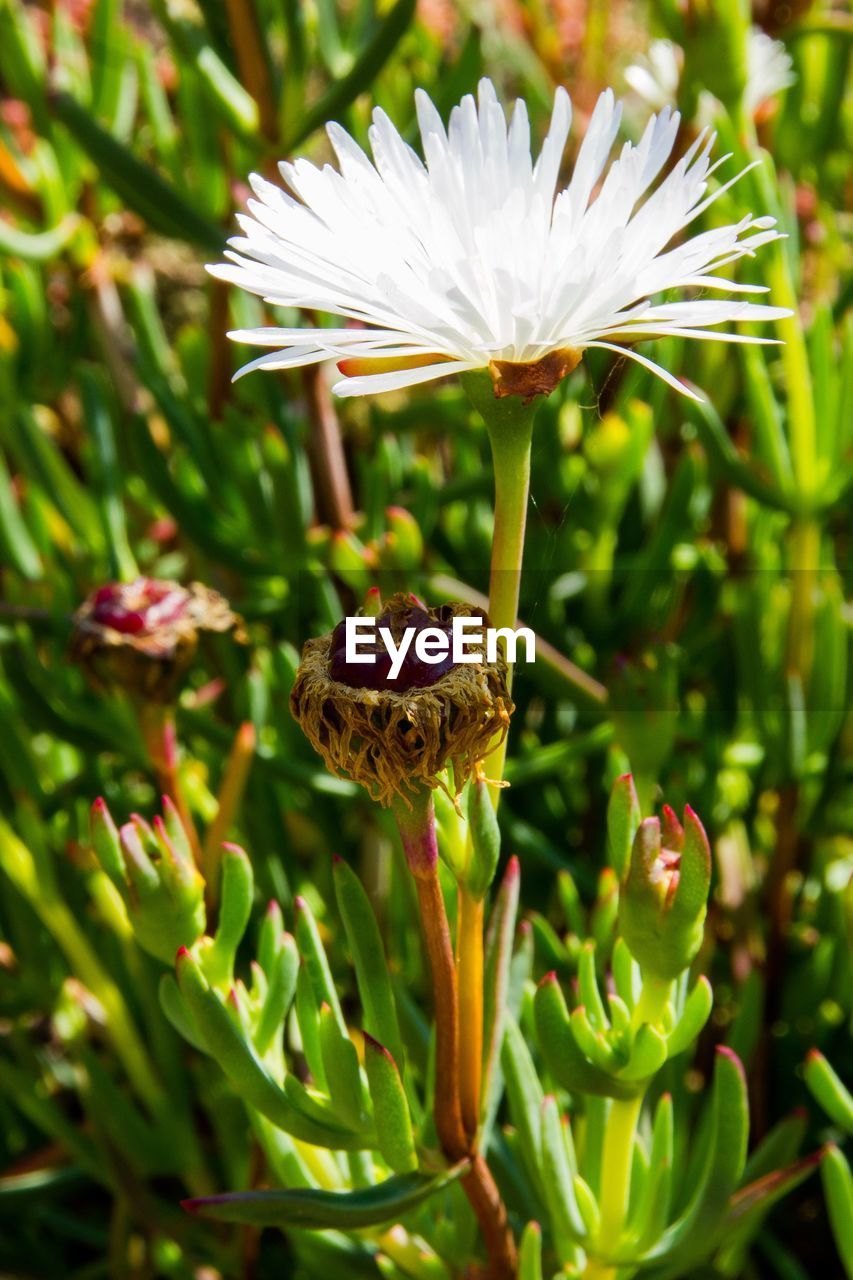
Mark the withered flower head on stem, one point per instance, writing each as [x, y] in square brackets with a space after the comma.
[141, 636]
[394, 736]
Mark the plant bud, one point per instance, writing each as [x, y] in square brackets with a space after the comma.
[160, 885]
[664, 894]
[485, 839]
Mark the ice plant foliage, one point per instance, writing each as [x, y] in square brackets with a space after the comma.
[475, 257]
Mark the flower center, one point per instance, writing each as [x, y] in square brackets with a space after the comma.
[139, 606]
[414, 672]
[666, 873]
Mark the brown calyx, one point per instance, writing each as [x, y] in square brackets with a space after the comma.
[536, 377]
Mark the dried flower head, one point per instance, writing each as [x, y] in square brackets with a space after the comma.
[393, 735]
[141, 636]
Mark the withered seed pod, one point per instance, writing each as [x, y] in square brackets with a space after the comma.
[141, 636]
[393, 736]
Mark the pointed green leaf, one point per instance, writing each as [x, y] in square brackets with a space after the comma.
[316, 962]
[525, 1098]
[390, 1108]
[652, 1210]
[623, 819]
[239, 1062]
[566, 1221]
[281, 971]
[498, 958]
[685, 1242]
[838, 1189]
[530, 1253]
[368, 956]
[235, 907]
[829, 1090]
[696, 1012]
[648, 1054]
[387, 1201]
[142, 188]
[340, 1063]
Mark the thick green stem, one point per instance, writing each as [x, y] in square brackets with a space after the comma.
[616, 1168]
[652, 1002]
[619, 1136]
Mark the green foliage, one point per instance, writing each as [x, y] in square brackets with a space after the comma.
[686, 573]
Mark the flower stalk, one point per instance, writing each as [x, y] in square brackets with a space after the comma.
[416, 823]
[470, 964]
[619, 1134]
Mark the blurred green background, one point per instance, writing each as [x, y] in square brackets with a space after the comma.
[687, 565]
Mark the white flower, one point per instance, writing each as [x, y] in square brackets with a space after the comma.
[467, 260]
[769, 70]
[655, 77]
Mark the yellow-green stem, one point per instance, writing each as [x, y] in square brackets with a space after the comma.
[619, 1134]
[469, 969]
[652, 1002]
[416, 823]
[511, 440]
[616, 1168]
[595, 1270]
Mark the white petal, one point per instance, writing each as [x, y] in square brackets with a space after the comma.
[656, 369]
[397, 379]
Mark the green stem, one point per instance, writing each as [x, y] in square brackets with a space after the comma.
[509, 422]
[616, 1168]
[652, 1002]
[619, 1135]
